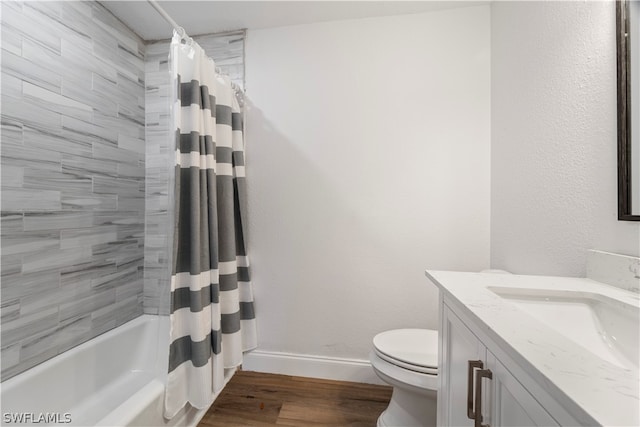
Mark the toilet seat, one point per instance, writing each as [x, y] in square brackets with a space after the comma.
[412, 349]
[407, 360]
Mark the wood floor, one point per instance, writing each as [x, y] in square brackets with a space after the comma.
[258, 399]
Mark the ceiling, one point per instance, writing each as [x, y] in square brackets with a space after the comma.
[205, 17]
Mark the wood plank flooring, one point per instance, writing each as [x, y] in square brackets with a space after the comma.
[259, 399]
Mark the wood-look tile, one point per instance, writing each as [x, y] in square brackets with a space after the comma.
[135, 114]
[131, 203]
[12, 176]
[51, 9]
[53, 297]
[88, 166]
[11, 132]
[8, 372]
[11, 41]
[29, 325]
[11, 86]
[120, 186]
[10, 356]
[9, 309]
[77, 337]
[21, 200]
[128, 171]
[36, 53]
[17, 285]
[107, 90]
[59, 220]
[77, 16]
[121, 252]
[11, 223]
[97, 267]
[87, 237]
[61, 130]
[81, 306]
[29, 242]
[124, 125]
[73, 332]
[70, 330]
[68, 183]
[31, 114]
[32, 72]
[10, 265]
[130, 85]
[120, 217]
[16, 6]
[39, 343]
[25, 156]
[104, 318]
[50, 140]
[55, 102]
[106, 51]
[77, 10]
[106, 132]
[54, 260]
[32, 24]
[128, 309]
[102, 202]
[103, 19]
[110, 151]
[324, 413]
[260, 399]
[129, 289]
[84, 58]
[120, 277]
[80, 88]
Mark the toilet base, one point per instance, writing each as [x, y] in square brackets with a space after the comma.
[410, 409]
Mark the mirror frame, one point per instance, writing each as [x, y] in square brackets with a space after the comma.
[624, 116]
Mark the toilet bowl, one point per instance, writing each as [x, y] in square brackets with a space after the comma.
[407, 359]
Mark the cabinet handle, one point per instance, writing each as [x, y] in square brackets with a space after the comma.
[480, 374]
[473, 364]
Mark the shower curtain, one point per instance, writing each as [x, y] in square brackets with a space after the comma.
[212, 314]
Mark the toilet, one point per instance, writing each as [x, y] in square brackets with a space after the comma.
[407, 359]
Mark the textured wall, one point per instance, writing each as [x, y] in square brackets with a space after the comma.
[228, 52]
[72, 177]
[367, 163]
[553, 186]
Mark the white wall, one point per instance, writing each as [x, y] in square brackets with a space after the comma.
[553, 115]
[368, 162]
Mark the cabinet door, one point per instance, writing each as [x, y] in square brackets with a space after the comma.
[458, 346]
[510, 403]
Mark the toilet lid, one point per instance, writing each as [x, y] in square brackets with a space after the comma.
[415, 349]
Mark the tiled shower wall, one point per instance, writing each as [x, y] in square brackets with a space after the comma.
[73, 167]
[228, 52]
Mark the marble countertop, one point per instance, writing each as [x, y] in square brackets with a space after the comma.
[606, 393]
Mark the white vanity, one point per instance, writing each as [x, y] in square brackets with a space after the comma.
[533, 350]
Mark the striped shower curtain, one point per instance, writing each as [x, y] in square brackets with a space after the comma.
[212, 315]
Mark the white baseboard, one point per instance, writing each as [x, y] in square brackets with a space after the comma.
[305, 365]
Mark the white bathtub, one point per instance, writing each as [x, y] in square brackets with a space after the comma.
[116, 379]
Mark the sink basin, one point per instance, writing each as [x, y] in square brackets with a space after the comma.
[607, 327]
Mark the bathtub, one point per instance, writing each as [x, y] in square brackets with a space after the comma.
[115, 379]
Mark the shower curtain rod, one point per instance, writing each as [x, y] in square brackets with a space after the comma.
[183, 34]
[168, 18]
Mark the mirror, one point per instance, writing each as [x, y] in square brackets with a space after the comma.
[628, 67]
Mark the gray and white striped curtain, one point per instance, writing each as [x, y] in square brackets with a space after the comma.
[212, 315]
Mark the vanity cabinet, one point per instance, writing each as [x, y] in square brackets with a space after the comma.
[474, 383]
